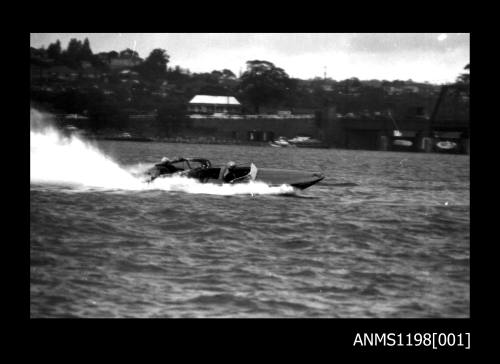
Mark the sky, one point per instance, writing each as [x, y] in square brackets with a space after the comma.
[422, 57]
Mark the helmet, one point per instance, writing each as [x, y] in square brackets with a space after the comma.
[165, 159]
[231, 165]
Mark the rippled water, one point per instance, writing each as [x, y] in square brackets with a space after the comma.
[384, 235]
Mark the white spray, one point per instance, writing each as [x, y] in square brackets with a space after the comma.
[73, 161]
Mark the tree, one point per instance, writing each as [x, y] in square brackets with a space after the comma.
[216, 90]
[129, 53]
[74, 47]
[354, 82]
[155, 66]
[462, 87]
[464, 78]
[85, 51]
[228, 74]
[39, 57]
[177, 74]
[216, 76]
[264, 83]
[54, 50]
[171, 114]
[72, 55]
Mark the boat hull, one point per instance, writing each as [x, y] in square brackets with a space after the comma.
[446, 145]
[244, 173]
[297, 179]
[270, 176]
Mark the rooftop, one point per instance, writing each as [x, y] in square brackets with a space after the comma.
[220, 100]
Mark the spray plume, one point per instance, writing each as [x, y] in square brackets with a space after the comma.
[72, 161]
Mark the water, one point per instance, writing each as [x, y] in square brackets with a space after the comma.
[384, 235]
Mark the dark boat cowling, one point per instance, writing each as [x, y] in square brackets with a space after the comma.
[182, 166]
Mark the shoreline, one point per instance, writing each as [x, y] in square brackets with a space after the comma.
[248, 143]
[200, 141]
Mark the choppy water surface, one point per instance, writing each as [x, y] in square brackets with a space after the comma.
[384, 235]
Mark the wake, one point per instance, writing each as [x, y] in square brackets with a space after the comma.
[74, 162]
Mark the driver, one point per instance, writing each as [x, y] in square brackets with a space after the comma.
[229, 172]
[166, 166]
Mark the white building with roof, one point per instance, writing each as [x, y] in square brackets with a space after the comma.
[206, 104]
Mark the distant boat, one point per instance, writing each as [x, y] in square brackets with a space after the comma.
[75, 117]
[280, 142]
[403, 143]
[446, 144]
[127, 137]
[305, 141]
[300, 139]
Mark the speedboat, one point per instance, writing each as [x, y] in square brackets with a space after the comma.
[280, 142]
[403, 142]
[202, 170]
[305, 141]
[446, 145]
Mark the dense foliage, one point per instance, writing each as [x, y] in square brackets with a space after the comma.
[108, 86]
[263, 83]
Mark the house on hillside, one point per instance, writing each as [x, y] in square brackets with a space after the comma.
[60, 73]
[206, 104]
[91, 72]
[411, 89]
[372, 83]
[122, 63]
[128, 74]
[391, 90]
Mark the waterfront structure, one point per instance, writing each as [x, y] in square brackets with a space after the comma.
[207, 104]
